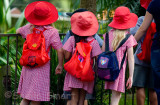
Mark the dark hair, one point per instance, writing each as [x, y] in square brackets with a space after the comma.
[78, 38]
[78, 10]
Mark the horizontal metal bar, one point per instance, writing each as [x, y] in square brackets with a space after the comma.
[61, 34]
[9, 34]
[2, 35]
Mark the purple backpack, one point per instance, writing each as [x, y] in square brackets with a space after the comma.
[108, 66]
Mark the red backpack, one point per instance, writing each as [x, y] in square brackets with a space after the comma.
[80, 64]
[145, 55]
[34, 52]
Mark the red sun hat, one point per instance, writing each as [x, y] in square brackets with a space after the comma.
[84, 23]
[41, 13]
[123, 19]
[145, 3]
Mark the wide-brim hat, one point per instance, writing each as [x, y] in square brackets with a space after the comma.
[84, 23]
[145, 3]
[123, 19]
[78, 10]
[41, 13]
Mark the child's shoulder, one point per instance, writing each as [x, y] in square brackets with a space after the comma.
[50, 28]
[130, 42]
[110, 33]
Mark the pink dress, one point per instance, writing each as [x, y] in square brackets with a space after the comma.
[34, 83]
[72, 82]
[119, 83]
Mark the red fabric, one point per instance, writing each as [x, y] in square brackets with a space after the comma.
[79, 65]
[41, 13]
[145, 3]
[123, 20]
[34, 51]
[84, 23]
[145, 55]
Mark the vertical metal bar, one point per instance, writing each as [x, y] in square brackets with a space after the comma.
[148, 96]
[15, 85]
[125, 96]
[58, 92]
[7, 70]
[133, 90]
[50, 69]
[109, 97]
[102, 93]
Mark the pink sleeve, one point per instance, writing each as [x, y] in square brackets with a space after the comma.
[96, 50]
[131, 42]
[55, 40]
[25, 30]
[68, 46]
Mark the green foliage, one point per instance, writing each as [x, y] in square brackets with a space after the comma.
[75, 4]
[62, 25]
[1, 12]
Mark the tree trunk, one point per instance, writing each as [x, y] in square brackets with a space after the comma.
[89, 5]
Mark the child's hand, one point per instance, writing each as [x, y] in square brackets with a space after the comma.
[129, 83]
[17, 31]
[58, 70]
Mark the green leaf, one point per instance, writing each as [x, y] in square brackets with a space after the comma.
[3, 60]
[20, 20]
[7, 12]
[1, 11]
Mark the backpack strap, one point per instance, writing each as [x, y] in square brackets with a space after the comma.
[121, 43]
[123, 59]
[107, 42]
[91, 41]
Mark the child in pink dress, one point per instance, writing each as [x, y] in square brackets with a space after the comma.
[122, 21]
[83, 25]
[34, 84]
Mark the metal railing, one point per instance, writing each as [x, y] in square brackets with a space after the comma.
[100, 93]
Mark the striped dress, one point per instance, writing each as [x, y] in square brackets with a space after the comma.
[34, 83]
[72, 82]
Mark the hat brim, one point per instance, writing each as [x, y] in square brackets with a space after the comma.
[30, 17]
[129, 24]
[84, 32]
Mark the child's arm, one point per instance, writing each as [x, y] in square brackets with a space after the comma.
[17, 31]
[143, 28]
[67, 55]
[60, 60]
[131, 67]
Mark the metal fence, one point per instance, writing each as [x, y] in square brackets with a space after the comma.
[102, 97]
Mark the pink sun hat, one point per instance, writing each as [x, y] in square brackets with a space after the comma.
[84, 23]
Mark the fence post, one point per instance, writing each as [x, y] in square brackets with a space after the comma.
[6, 94]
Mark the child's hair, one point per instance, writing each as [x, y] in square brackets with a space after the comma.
[31, 29]
[78, 38]
[33, 26]
[119, 35]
